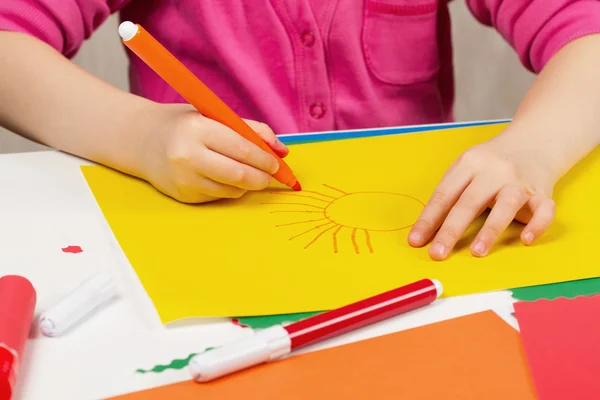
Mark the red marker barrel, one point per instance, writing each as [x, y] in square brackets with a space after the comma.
[17, 305]
[363, 313]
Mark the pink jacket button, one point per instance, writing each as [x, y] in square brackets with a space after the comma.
[308, 38]
[317, 110]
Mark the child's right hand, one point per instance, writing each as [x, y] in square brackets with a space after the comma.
[195, 159]
[183, 154]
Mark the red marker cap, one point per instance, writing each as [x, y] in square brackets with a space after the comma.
[17, 305]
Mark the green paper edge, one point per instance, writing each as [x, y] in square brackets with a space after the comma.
[570, 289]
[265, 321]
[174, 364]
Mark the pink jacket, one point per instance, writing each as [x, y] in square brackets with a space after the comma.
[312, 65]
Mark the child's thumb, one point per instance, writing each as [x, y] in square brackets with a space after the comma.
[267, 134]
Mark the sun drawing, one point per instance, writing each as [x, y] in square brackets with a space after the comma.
[361, 213]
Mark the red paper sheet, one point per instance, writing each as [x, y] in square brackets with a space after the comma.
[562, 342]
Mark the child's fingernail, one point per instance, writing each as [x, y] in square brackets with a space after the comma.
[439, 249]
[280, 144]
[414, 237]
[279, 152]
[275, 166]
[529, 236]
[479, 248]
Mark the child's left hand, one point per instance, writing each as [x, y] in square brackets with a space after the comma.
[514, 174]
[509, 174]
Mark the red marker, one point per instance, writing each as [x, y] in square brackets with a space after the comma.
[17, 304]
[277, 341]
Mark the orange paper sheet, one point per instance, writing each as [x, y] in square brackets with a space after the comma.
[478, 356]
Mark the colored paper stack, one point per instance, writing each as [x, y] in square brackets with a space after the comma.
[478, 356]
[555, 357]
[344, 238]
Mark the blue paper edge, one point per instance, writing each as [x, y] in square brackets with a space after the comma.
[300, 138]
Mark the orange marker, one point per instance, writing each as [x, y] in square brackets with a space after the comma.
[195, 92]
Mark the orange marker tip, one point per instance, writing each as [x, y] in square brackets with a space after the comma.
[297, 187]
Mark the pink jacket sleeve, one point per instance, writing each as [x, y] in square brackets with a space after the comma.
[63, 24]
[537, 29]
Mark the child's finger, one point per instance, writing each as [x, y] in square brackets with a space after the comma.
[443, 198]
[216, 189]
[267, 134]
[196, 189]
[228, 171]
[469, 206]
[524, 215]
[509, 201]
[223, 140]
[544, 210]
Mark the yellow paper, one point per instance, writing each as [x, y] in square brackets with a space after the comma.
[341, 239]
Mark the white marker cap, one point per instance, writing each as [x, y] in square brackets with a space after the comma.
[127, 30]
[86, 298]
[438, 287]
[265, 345]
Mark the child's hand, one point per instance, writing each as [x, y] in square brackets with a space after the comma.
[512, 177]
[195, 159]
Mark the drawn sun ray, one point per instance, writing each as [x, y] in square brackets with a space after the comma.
[296, 211]
[336, 189]
[311, 229]
[368, 240]
[356, 250]
[298, 204]
[335, 244]
[318, 236]
[318, 193]
[361, 212]
[301, 195]
[301, 222]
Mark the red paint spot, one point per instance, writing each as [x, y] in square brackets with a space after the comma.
[235, 321]
[72, 249]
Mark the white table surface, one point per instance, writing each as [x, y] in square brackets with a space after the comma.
[45, 205]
